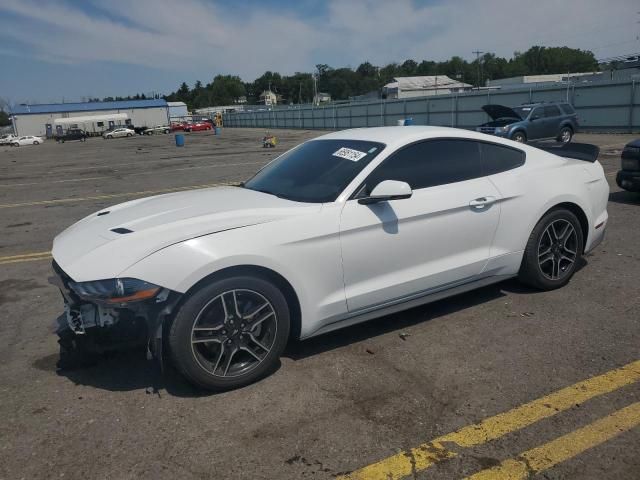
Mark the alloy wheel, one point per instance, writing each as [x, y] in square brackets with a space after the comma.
[558, 249]
[233, 333]
[566, 135]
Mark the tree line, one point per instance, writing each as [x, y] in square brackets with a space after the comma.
[345, 83]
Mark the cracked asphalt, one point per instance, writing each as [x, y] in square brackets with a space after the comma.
[338, 402]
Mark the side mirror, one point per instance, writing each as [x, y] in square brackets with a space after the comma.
[387, 190]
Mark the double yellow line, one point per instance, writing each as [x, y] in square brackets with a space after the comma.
[25, 257]
[420, 458]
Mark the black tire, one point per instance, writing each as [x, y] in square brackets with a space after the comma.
[565, 135]
[519, 137]
[183, 354]
[129, 135]
[16, 144]
[166, 131]
[36, 143]
[532, 272]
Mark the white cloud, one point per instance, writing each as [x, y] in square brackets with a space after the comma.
[196, 35]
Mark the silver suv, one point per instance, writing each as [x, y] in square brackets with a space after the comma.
[532, 121]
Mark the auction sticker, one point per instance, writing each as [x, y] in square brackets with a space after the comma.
[349, 154]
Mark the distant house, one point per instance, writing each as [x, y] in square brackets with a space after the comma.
[268, 97]
[241, 100]
[321, 97]
[407, 87]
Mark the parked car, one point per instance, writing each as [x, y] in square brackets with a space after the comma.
[531, 121]
[341, 229]
[628, 178]
[178, 126]
[8, 139]
[197, 127]
[72, 134]
[27, 140]
[119, 132]
[158, 129]
[140, 130]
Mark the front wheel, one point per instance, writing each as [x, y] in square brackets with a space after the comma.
[553, 251]
[16, 144]
[230, 333]
[129, 134]
[565, 136]
[520, 137]
[36, 143]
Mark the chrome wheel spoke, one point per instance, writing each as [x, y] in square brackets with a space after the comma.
[225, 341]
[557, 249]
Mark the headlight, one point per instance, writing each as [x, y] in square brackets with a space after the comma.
[115, 290]
[503, 129]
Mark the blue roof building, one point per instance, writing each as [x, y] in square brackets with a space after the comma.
[93, 117]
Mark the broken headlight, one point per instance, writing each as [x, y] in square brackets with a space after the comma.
[115, 290]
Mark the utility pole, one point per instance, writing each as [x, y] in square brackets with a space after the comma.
[478, 53]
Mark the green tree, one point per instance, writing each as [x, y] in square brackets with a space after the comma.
[4, 119]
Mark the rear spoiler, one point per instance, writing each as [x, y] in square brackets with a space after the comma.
[579, 151]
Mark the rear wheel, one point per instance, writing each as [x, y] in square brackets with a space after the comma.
[230, 333]
[553, 251]
[565, 136]
[36, 142]
[16, 144]
[129, 134]
[520, 137]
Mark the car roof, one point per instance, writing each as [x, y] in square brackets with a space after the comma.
[398, 136]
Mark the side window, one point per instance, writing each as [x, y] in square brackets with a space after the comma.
[430, 163]
[100, 124]
[537, 113]
[498, 158]
[552, 111]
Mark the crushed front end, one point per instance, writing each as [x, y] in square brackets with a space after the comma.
[113, 314]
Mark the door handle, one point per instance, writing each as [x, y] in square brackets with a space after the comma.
[481, 202]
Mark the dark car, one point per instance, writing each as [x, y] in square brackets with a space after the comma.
[531, 121]
[628, 178]
[72, 134]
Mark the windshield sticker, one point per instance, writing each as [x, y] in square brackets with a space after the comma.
[526, 109]
[372, 150]
[349, 154]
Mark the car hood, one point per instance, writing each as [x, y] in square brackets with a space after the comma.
[500, 111]
[107, 242]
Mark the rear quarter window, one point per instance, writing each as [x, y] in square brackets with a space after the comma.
[567, 109]
[499, 158]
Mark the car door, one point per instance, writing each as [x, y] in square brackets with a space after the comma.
[551, 121]
[536, 129]
[439, 237]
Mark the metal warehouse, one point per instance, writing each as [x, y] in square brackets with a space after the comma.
[93, 117]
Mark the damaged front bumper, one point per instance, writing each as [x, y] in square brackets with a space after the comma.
[95, 327]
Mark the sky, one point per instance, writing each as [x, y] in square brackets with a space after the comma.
[67, 50]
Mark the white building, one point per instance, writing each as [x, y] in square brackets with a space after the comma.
[407, 87]
[93, 117]
[268, 98]
[177, 110]
[321, 97]
[546, 78]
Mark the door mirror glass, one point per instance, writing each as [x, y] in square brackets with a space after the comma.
[387, 190]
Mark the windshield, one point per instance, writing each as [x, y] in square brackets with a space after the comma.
[316, 171]
[522, 111]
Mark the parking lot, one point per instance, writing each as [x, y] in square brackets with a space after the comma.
[530, 383]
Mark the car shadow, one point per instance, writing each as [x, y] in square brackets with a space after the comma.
[624, 197]
[132, 370]
[401, 320]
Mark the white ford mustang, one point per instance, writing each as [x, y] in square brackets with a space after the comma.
[343, 228]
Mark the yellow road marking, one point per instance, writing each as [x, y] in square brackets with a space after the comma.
[424, 456]
[563, 448]
[25, 257]
[113, 195]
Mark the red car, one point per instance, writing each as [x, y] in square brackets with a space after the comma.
[197, 127]
[178, 126]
